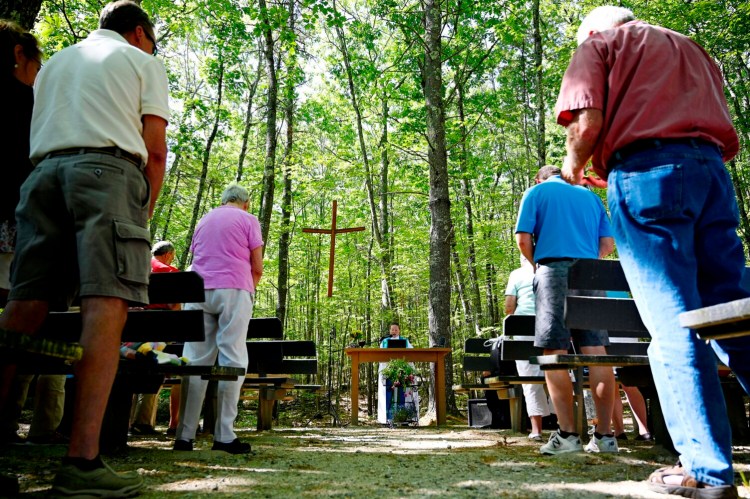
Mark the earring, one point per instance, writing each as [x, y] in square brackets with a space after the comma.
[16, 66]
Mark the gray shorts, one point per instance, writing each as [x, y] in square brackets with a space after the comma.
[82, 229]
[551, 288]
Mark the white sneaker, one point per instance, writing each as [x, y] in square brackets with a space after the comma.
[604, 444]
[559, 445]
[536, 437]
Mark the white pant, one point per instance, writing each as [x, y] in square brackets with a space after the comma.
[226, 315]
[536, 397]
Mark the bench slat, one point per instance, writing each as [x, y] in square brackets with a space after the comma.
[299, 366]
[175, 287]
[474, 363]
[603, 275]
[725, 320]
[142, 325]
[265, 328]
[616, 314]
[567, 361]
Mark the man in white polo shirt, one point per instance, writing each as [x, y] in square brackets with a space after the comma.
[98, 139]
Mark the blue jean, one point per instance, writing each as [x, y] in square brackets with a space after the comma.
[674, 217]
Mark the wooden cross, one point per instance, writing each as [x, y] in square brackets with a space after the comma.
[332, 231]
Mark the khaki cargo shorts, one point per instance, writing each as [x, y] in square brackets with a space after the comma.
[82, 229]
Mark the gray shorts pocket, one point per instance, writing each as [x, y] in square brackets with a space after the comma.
[132, 248]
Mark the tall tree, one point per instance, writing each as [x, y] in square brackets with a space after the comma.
[440, 212]
[290, 95]
[206, 158]
[269, 170]
[541, 147]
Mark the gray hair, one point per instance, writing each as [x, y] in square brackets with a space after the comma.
[234, 193]
[125, 16]
[546, 172]
[601, 19]
[162, 248]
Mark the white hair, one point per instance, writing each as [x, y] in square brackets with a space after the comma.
[234, 193]
[603, 18]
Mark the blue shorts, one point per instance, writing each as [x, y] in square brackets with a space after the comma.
[551, 289]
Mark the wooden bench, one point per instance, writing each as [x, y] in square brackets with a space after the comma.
[272, 363]
[477, 360]
[141, 325]
[717, 322]
[620, 317]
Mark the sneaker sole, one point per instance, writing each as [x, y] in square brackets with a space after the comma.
[547, 453]
[129, 491]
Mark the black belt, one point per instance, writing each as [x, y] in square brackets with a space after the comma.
[110, 151]
[651, 144]
[547, 261]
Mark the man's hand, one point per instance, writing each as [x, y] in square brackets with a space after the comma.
[582, 136]
[572, 173]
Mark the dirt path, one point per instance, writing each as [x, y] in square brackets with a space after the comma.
[370, 462]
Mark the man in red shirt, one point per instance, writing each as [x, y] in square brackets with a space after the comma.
[145, 404]
[646, 104]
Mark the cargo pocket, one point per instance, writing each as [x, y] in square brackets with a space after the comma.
[133, 255]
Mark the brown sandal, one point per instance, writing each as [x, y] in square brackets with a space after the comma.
[688, 486]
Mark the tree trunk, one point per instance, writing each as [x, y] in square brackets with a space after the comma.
[386, 260]
[204, 167]
[541, 149]
[461, 285]
[248, 120]
[380, 223]
[440, 226]
[286, 198]
[269, 170]
[24, 12]
[471, 264]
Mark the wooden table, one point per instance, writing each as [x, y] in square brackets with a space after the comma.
[434, 355]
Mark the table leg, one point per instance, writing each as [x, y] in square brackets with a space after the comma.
[355, 389]
[440, 390]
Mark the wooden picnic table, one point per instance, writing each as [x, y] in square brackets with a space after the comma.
[434, 355]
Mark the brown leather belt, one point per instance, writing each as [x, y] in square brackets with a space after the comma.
[110, 151]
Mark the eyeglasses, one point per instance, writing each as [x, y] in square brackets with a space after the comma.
[151, 39]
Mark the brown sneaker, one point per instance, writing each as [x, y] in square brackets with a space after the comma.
[71, 481]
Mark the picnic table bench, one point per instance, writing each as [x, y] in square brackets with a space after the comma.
[629, 342]
[141, 325]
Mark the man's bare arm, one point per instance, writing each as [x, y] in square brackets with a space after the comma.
[511, 303]
[155, 137]
[606, 246]
[526, 246]
[583, 133]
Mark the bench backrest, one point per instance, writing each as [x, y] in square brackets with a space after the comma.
[476, 355]
[619, 316]
[171, 325]
[270, 354]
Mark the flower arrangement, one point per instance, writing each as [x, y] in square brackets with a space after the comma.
[400, 372]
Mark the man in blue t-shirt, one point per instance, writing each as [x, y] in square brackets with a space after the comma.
[559, 223]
